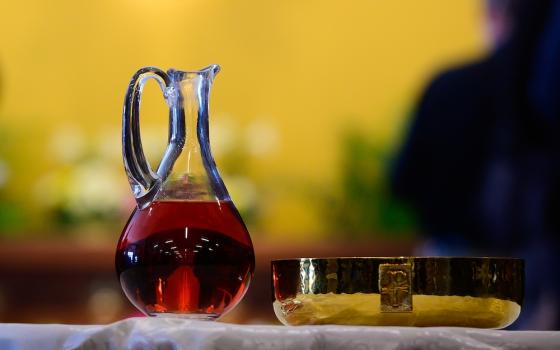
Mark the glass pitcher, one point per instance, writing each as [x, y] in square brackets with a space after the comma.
[185, 250]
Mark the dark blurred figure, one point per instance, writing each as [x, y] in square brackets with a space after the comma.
[481, 163]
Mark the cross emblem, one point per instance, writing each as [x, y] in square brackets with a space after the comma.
[395, 287]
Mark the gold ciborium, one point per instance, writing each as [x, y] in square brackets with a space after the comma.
[399, 291]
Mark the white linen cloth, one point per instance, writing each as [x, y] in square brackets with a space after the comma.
[171, 334]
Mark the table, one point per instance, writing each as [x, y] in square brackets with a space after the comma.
[168, 333]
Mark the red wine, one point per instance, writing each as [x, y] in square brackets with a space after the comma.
[191, 258]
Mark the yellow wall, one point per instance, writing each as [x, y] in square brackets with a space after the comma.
[307, 67]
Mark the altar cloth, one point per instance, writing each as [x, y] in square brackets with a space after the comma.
[169, 333]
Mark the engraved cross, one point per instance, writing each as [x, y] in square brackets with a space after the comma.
[395, 287]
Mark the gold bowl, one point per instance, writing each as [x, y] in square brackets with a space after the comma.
[399, 291]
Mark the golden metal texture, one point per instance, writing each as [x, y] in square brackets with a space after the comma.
[405, 291]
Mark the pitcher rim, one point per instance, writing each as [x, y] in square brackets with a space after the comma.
[212, 68]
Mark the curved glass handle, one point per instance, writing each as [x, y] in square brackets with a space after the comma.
[144, 182]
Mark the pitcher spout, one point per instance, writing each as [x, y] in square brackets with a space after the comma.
[208, 72]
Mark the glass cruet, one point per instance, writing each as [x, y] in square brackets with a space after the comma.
[185, 250]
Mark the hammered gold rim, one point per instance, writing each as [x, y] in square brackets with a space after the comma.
[498, 277]
[399, 257]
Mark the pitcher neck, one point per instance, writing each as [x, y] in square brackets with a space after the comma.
[193, 174]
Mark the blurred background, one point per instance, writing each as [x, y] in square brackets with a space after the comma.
[308, 117]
